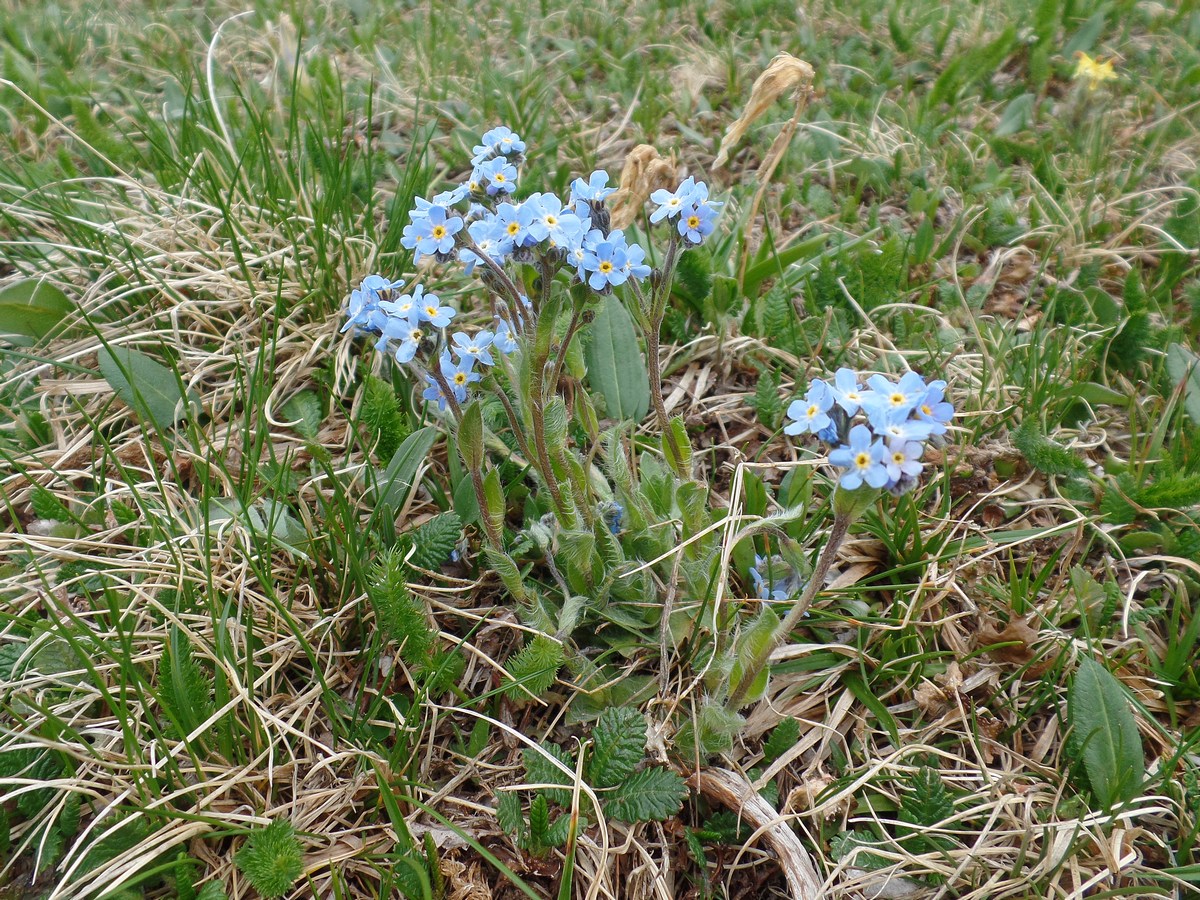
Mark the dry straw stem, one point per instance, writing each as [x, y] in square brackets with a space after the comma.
[734, 792]
[644, 171]
[785, 73]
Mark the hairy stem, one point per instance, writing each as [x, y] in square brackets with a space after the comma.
[841, 527]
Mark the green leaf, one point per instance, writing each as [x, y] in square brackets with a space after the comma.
[756, 638]
[146, 385]
[32, 308]
[213, 890]
[929, 803]
[858, 686]
[620, 745]
[304, 411]
[1106, 733]
[616, 367]
[1184, 365]
[1017, 115]
[783, 737]
[508, 814]
[271, 859]
[540, 770]
[470, 436]
[1044, 454]
[398, 477]
[434, 540]
[535, 668]
[651, 795]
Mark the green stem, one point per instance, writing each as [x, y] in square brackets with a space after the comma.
[841, 527]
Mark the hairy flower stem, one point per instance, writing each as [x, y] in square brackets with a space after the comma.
[537, 412]
[658, 308]
[750, 672]
[495, 538]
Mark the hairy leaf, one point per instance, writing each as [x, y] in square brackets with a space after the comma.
[270, 859]
[783, 737]
[620, 745]
[534, 668]
[616, 368]
[1105, 733]
[540, 770]
[651, 795]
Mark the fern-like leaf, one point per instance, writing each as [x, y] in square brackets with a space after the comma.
[651, 795]
[767, 401]
[382, 415]
[508, 814]
[270, 859]
[1045, 455]
[434, 541]
[534, 668]
[47, 506]
[620, 745]
[186, 689]
[540, 770]
[396, 612]
[783, 737]
[539, 823]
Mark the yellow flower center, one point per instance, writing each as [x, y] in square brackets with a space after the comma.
[415, 335]
[499, 177]
[926, 410]
[460, 378]
[439, 231]
[897, 399]
[514, 227]
[606, 267]
[812, 411]
[431, 311]
[897, 458]
[693, 221]
[551, 220]
[863, 460]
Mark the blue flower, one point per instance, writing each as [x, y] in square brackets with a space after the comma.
[863, 456]
[613, 514]
[458, 375]
[594, 190]
[549, 222]
[432, 233]
[496, 176]
[769, 587]
[483, 233]
[429, 309]
[696, 221]
[847, 392]
[510, 227]
[887, 397]
[933, 409]
[504, 341]
[896, 425]
[903, 459]
[671, 204]
[452, 197]
[634, 265]
[474, 348]
[410, 334]
[812, 413]
[498, 141]
[605, 260]
[362, 309]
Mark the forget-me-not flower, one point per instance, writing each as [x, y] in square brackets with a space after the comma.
[812, 413]
[474, 347]
[863, 457]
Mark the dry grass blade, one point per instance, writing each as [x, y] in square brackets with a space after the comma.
[644, 171]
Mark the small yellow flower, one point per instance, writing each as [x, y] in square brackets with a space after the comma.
[1093, 70]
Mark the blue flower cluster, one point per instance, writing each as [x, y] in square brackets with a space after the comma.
[885, 450]
[493, 230]
[781, 581]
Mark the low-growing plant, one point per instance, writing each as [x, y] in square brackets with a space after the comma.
[596, 536]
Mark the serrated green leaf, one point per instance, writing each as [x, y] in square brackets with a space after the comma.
[146, 386]
[213, 890]
[508, 814]
[929, 802]
[1106, 734]
[434, 541]
[534, 668]
[539, 820]
[783, 737]
[32, 308]
[616, 367]
[619, 747]
[651, 795]
[304, 411]
[540, 770]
